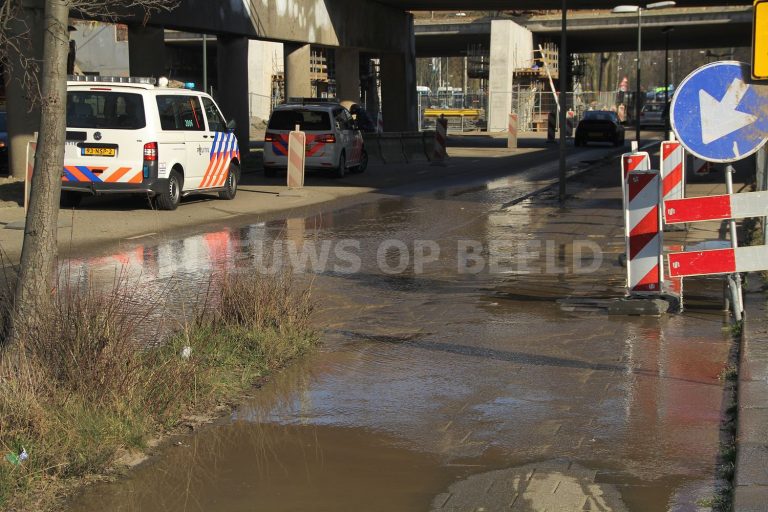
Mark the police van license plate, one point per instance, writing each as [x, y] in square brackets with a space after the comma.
[98, 151]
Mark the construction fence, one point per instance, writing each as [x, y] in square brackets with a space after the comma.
[532, 107]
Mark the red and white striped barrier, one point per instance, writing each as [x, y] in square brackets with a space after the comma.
[672, 165]
[297, 141]
[674, 285]
[721, 207]
[512, 132]
[630, 162]
[645, 237]
[718, 261]
[380, 123]
[440, 152]
[31, 151]
[635, 161]
[700, 167]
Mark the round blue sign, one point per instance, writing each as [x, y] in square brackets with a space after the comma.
[719, 114]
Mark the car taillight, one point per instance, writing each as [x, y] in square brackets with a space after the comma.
[270, 137]
[150, 152]
[327, 139]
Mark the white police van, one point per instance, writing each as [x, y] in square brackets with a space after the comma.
[128, 135]
[334, 142]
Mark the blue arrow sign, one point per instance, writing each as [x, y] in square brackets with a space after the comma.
[719, 114]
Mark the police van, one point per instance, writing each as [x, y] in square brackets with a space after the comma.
[131, 135]
[334, 142]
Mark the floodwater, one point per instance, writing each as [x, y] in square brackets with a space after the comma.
[466, 365]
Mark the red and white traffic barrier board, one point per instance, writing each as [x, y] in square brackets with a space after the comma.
[718, 261]
[645, 238]
[441, 138]
[630, 162]
[673, 285]
[297, 141]
[636, 161]
[700, 167]
[672, 165]
[698, 209]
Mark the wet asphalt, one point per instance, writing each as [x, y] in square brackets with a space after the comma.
[467, 363]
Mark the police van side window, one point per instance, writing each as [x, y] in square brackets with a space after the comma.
[180, 113]
[216, 123]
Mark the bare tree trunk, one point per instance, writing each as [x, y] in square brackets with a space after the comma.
[38, 255]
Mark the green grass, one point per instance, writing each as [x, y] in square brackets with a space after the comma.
[85, 390]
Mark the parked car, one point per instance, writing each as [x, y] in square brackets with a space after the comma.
[334, 142]
[130, 135]
[599, 126]
[652, 115]
[3, 144]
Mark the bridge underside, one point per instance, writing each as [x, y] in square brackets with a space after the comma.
[592, 41]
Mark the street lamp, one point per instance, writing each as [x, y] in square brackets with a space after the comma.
[623, 9]
[666, 31]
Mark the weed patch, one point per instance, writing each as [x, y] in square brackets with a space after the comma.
[85, 385]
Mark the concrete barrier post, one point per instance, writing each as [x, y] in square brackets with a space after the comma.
[297, 141]
[441, 134]
[551, 127]
[512, 132]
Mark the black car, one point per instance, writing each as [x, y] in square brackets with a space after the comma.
[3, 144]
[599, 126]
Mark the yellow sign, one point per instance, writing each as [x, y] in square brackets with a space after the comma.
[760, 40]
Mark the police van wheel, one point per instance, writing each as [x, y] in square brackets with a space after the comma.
[230, 187]
[270, 172]
[170, 197]
[70, 199]
[341, 170]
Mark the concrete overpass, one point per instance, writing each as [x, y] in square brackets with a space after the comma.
[598, 31]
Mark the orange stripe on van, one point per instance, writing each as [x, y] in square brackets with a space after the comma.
[115, 177]
[77, 173]
[137, 178]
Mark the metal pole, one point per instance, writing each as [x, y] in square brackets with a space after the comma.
[737, 296]
[563, 61]
[637, 87]
[205, 63]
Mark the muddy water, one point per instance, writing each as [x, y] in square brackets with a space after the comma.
[466, 379]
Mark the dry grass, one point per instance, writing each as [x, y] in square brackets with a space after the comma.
[84, 387]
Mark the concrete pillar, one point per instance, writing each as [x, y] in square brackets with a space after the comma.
[146, 51]
[511, 48]
[398, 87]
[23, 119]
[232, 95]
[348, 74]
[264, 59]
[297, 77]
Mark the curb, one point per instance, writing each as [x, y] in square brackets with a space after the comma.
[750, 483]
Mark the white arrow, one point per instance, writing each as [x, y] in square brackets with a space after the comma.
[719, 118]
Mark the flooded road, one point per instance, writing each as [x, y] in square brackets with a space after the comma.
[466, 365]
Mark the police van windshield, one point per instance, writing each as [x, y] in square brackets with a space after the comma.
[105, 109]
[307, 119]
